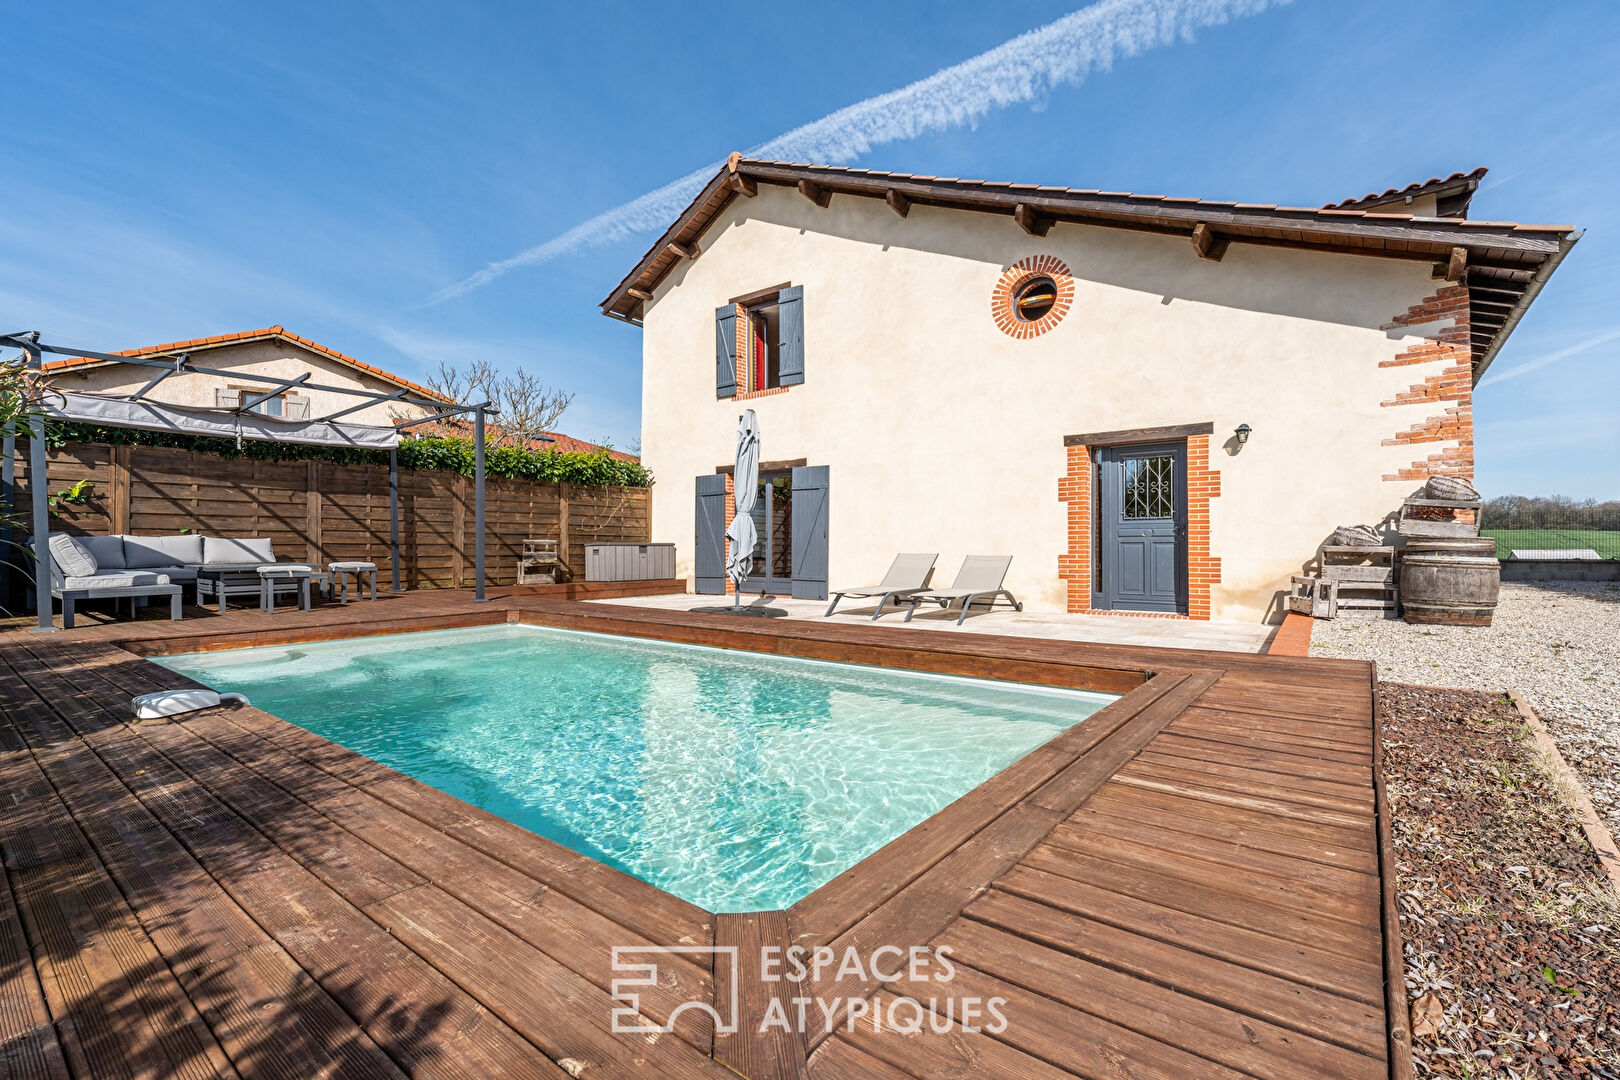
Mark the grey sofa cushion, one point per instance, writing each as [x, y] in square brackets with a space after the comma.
[178, 575]
[222, 552]
[124, 580]
[145, 552]
[73, 559]
[108, 551]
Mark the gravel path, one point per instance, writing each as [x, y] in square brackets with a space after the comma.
[1557, 642]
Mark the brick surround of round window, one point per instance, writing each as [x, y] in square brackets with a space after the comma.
[1003, 300]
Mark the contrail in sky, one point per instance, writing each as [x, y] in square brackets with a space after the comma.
[1062, 53]
[1550, 358]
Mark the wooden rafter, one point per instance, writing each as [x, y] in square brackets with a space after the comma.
[1031, 222]
[815, 192]
[683, 251]
[1458, 264]
[1207, 243]
[898, 203]
[742, 185]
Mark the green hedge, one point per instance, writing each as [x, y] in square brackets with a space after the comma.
[596, 469]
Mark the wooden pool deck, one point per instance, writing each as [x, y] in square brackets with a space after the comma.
[1190, 884]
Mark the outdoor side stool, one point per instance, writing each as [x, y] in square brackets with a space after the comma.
[274, 575]
[342, 570]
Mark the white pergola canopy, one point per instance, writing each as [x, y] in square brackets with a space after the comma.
[108, 411]
[240, 422]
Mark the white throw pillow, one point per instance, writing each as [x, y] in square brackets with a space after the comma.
[221, 552]
[72, 557]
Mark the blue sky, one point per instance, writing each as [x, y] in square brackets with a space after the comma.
[186, 169]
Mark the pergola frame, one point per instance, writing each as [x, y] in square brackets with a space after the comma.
[172, 364]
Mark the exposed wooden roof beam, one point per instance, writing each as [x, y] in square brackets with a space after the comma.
[742, 185]
[898, 202]
[1030, 221]
[1458, 265]
[639, 294]
[815, 192]
[683, 251]
[1208, 243]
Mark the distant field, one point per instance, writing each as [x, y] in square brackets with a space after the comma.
[1606, 542]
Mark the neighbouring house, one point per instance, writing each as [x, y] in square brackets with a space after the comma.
[272, 352]
[1156, 405]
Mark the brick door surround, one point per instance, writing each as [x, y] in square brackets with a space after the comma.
[1076, 565]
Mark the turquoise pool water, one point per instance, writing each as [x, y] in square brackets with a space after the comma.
[734, 780]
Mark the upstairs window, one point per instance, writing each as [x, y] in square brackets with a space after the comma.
[759, 342]
[286, 406]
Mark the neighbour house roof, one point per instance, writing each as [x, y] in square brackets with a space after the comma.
[554, 440]
[1503, 263]
[269, 333]
[1452, 194]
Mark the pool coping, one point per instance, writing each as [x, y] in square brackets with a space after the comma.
[923, 879]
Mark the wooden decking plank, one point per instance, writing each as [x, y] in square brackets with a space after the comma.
[926, 906]
[1308, 1010]
[29, 1047]
[1230, 1037]
[1210, 777]
[1079, 832]
[957, 1053]
[1220, 900]
[1288, 737]
[1299, 763]
[119, 1009]
[838, 1059]
[760, 1048]
[1104, 757]
[577, 937]
[836, 906]
[1301, 897]
[1341, 792]
[403, 1005]
[1349, 977]
[1232, 826]
[557, 1010]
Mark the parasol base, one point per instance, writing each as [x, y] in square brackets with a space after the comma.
[731, 609]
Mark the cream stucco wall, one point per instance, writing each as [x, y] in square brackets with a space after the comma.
[272, 359]
[944, 434]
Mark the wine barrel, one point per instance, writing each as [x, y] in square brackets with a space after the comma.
[1450, 581]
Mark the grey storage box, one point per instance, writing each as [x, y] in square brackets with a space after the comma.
[629, 562]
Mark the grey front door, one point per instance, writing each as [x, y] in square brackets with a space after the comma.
[1142, 506]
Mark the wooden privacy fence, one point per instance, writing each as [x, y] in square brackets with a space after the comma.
[318, 512]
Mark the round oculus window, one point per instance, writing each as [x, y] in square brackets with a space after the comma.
[1035, 298]
[1032, 296]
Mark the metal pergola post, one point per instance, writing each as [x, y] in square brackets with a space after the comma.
[393, 513]
[39, 489]
[8, 495]
[478, 504]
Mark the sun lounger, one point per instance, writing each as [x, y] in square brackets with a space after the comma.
[980, 578]
[907, 574]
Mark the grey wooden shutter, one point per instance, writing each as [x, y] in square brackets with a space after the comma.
[791, 314]
[709, 555]
[725, 351]
[810, 532]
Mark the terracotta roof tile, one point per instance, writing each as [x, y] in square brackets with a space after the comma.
[268, 332]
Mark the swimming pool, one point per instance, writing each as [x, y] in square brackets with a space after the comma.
[735, 780]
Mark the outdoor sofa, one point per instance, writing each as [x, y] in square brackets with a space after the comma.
[102, 567]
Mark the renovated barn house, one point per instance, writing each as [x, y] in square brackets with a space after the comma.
[1156, 405]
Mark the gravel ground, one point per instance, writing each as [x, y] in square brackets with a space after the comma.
[1512, 952]
[1557, 642]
